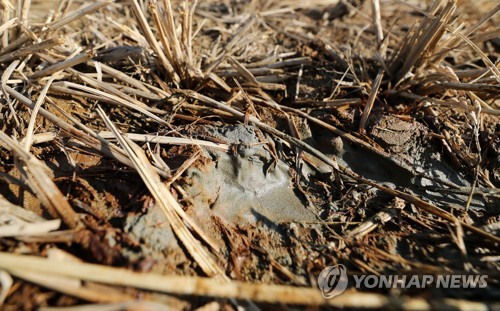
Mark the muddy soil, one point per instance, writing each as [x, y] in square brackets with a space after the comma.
[280, 204]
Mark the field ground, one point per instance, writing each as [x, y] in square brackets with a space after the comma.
[218, 155]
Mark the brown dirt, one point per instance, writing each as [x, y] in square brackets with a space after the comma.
[278, 212]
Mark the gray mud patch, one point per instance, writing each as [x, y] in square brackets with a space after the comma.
[245, 190]
[406, 141]
[246, 187]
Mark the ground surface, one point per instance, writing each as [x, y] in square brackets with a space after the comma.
[273, 139]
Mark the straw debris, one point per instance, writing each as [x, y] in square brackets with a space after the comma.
[204, 155]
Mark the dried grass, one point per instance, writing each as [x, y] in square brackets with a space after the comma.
[156, 68]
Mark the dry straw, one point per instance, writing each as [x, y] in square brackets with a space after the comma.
[152, 72]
